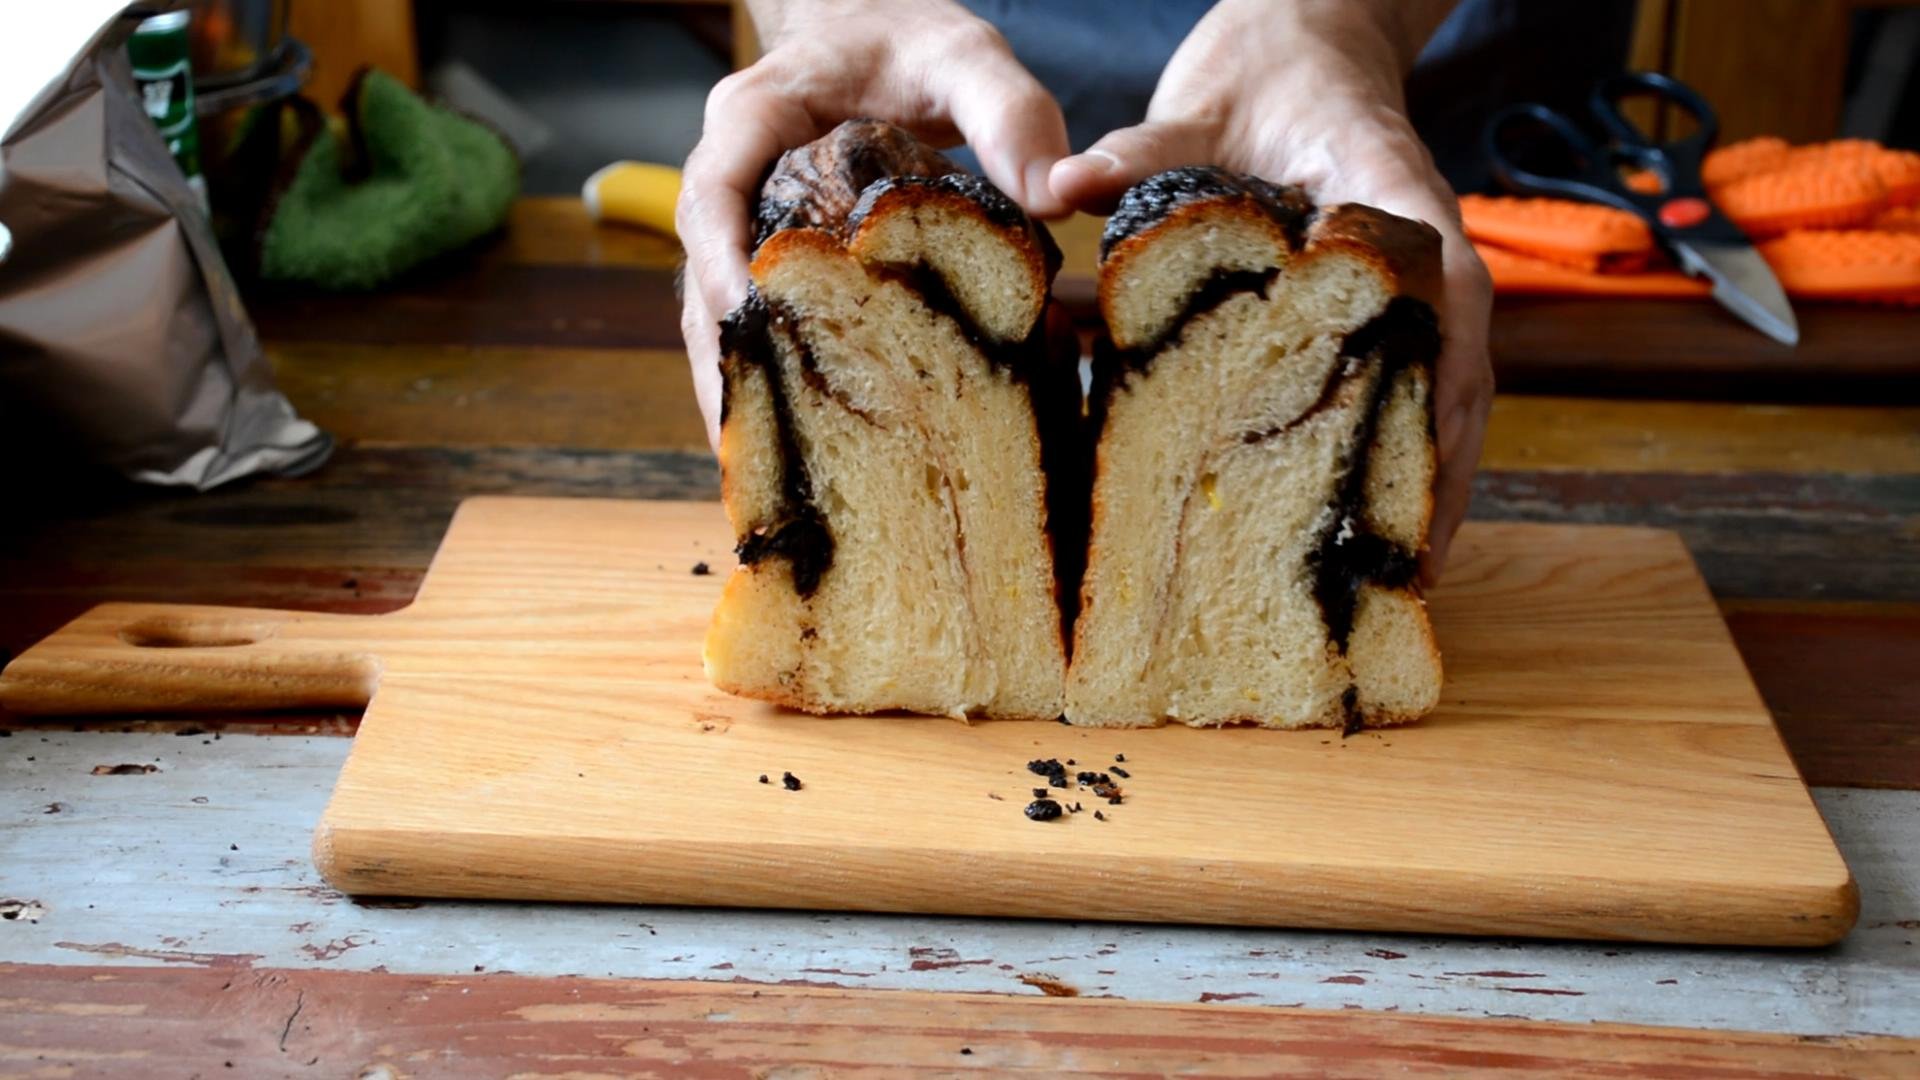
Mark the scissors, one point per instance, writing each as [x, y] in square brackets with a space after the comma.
[1684, 221]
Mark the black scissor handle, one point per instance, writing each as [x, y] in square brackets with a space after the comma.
[1592, 177]
[1678, 160]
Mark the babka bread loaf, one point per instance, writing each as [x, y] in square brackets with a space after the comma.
[1263, 478]
[886, 384]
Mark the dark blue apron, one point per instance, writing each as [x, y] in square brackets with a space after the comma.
[1101, 58]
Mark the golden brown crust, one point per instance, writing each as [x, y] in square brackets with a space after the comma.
[1405, 251]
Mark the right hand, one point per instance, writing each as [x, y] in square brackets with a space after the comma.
[927, 65]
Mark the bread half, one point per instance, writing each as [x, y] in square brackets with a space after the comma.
[881, 453]
[1265, 463]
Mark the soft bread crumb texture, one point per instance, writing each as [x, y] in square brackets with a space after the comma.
[925, 463]
[1143, 294]
[1218, 474]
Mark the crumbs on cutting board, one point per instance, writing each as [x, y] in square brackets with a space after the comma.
[1044, 806]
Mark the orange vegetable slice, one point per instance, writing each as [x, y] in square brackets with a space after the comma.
[1808, 195]
[1581, 236]
[1877, 267]
[1644, 181]
[1518, 274]
[1737, 161]
[1899, 219]
[1898, 170]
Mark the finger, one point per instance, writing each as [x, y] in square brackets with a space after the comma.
[1093, 181]
[1453, 491]
[1463, 395]
[746, 128]
[701, 332]
[1014, 126]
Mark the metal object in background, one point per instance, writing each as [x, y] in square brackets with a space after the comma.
[242, 55]
[236, 41]
[1685, 222]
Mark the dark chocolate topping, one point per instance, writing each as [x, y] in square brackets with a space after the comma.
[832, 185]
[798, 533]
[1149, 202]
[816, 186]
[1349, 554]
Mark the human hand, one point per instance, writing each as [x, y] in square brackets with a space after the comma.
[1308, 92]
[927, 65]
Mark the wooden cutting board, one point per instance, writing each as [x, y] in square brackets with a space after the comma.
[539, 728]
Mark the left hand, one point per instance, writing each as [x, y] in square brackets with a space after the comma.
[1309, 93]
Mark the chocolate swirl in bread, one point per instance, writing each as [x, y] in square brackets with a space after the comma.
[1312, 332]
[890, 394]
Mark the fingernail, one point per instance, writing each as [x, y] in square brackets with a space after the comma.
[1098, 161]
[1039, 193]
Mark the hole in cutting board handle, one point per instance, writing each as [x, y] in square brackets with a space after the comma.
[163, 632]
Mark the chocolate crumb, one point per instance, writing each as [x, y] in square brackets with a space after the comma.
[121, 770]
[1039, 793]
[1043, 810]
[1098, 816]
[1075, 808]
[966, 1049]
[1119, 757]
[1044, 766]
[233, 847]
[1113, 800]
[790, 781]
[1070, 761]
[1122, 773]
[701, 569]
[763, 778]
[994, 797]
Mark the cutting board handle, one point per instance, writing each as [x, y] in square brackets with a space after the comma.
[120, 658]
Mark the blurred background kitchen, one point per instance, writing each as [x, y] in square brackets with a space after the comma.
[416, 225]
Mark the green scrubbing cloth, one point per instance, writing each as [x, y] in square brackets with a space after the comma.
[407, 182]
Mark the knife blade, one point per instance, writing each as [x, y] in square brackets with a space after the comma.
[1744, 284]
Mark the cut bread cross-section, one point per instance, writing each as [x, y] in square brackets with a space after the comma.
[1263, 477]
[886, 385]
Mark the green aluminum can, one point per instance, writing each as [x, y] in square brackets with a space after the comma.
[161, 70]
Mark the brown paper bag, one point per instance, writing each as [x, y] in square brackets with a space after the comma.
[121, 333]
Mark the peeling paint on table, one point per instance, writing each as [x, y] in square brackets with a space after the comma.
[204, 862]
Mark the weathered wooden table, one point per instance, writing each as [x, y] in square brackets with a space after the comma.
[169, 923]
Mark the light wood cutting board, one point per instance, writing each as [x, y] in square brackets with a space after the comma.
[540, 728]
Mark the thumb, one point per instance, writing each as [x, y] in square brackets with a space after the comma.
[1094, 180]
[1013, 125]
